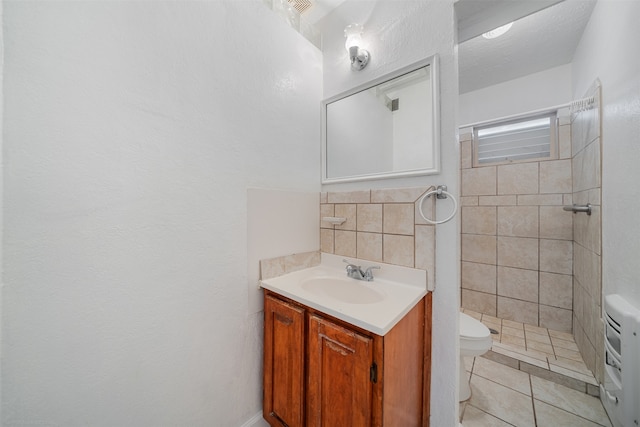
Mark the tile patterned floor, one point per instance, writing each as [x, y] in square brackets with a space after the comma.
[532, 376]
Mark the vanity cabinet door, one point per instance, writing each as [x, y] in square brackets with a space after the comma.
[283, 402]
[340, 387]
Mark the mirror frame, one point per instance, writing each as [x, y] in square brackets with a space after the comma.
[432, 62]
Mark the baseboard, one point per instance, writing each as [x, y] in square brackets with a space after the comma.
[256, 421]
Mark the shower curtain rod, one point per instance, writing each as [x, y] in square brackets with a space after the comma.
[574, 106]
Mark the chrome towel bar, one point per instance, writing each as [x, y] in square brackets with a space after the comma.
[579, 208]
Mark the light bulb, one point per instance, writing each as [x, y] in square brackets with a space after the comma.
[353, 33]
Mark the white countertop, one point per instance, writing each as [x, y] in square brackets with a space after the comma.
[396, 289]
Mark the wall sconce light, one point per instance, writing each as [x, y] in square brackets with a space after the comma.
[359, 57]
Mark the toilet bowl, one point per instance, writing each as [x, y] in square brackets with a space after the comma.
[475, 340]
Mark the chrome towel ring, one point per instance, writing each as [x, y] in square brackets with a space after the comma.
[441, 193]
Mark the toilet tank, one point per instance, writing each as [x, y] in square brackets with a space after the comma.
[620, 392]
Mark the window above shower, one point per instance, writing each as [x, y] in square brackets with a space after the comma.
[529, 138]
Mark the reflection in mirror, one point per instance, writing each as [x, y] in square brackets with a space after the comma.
[386, 128]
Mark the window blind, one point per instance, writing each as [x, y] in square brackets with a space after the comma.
[517, 140]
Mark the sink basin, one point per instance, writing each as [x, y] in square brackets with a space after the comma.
[373, 306]
[343, 289]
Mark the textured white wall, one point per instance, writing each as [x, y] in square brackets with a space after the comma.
[608, 51]
[1, 185]
[533, 92]
[132, 130]
[398, 33]
[279, 223]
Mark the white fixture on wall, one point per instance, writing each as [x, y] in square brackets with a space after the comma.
[359, 57]
[334, 220]
[497, 32]
[620, 393]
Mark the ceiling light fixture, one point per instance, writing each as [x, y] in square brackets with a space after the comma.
[359, 57]
[497, 32]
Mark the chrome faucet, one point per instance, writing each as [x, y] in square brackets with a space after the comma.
[355, 271]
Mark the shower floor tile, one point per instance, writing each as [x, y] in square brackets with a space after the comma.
[531, 377]
[526, 342]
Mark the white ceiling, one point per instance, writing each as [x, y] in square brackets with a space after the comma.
[320, 9]
[545, 39]
[537, 42]
[476, 17]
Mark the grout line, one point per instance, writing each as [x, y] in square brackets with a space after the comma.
[533, 405]
[490, 414]
[501, 385]
[553, 347]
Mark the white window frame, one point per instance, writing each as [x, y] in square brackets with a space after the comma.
[553, 138]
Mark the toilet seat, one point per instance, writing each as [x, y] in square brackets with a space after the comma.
[472, 329]
[475, 338]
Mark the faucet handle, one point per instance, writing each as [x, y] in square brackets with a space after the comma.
[350, 264]
[354, 271]
[368, 274]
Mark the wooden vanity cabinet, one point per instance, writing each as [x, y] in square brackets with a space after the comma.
[341, 375]
[321, 371]
[284, 360]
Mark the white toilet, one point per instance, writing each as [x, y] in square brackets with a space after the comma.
[475, 340]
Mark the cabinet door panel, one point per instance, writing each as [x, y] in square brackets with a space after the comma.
[339, 392]
[283, 363]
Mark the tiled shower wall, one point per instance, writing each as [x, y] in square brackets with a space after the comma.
[517, 249]
[381, 226]
[588, 328]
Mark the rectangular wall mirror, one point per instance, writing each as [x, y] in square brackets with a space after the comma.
[386, 128]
